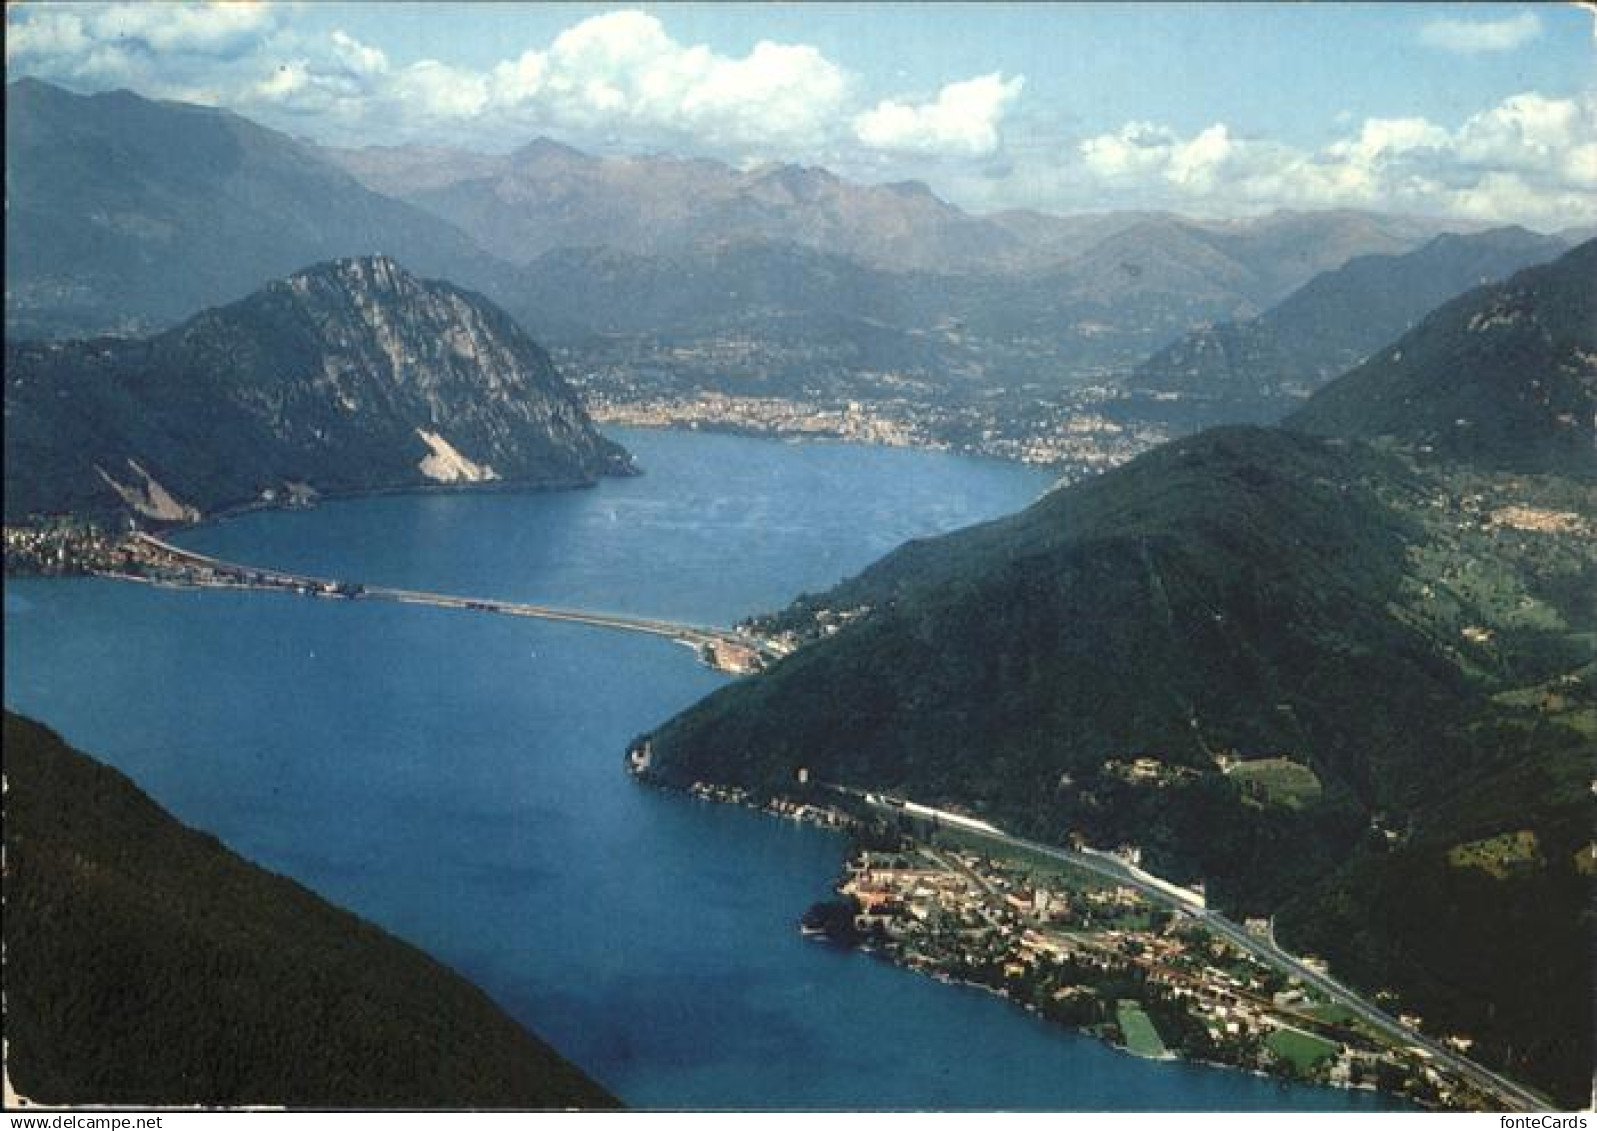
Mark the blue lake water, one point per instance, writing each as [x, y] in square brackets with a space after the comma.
[457, 777]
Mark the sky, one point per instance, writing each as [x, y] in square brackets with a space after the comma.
[1481, 111]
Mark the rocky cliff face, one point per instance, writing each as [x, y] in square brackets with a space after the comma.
[350, 376]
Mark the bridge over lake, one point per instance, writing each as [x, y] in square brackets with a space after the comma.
[158, 561]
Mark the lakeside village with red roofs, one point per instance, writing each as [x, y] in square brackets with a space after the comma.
[950, 901]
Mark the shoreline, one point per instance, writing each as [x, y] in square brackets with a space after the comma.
[491, 486]
[1057, 468]
[232, 510]
[740, 798]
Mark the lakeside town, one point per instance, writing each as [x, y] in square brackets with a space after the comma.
[1070, 431]
[1094, 955]
[71, 549]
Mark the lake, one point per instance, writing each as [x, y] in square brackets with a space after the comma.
[457, 777]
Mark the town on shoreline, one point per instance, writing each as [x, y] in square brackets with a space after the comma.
[955, 902]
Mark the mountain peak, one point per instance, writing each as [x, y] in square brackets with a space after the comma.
[29, 85]
[378, 270]
[348, 376]
[547, 149]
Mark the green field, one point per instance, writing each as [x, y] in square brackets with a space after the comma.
[1141, 1038]
[1304, 1050]
[1329, 1012]
[1040, 865]
[1566, 700]
[1277, 781]
[1499, 856]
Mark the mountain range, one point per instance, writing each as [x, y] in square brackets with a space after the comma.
[546, 195]
[350, 376]
[147, 964]
[1377, 594]
[1262, 368]
[1086, 290]
[805, 319]
[126, 215]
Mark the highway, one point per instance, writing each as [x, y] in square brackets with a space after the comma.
[1514, 1096]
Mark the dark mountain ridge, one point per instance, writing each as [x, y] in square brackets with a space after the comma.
[1260, 369]
[350, 376]
[1502, 377]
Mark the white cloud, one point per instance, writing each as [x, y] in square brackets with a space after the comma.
[114, 38]
[1200, 163]
[359, 58]
[622, 70]
[1474, 37]
[1135, 151]
[963, 120]
[621, 80]
[437, 92]
[47, 33]
[618, 75]
[207, 29]
[1530, 158]
[1381, 138]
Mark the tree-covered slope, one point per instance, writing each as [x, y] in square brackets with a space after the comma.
[147, 964]
[1504, 376]
[1262, 368]
[1413, 629]
[348, 376]
[1225, 594]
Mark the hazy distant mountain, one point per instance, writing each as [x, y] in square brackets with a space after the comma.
[1053, 239]
[1129, 294]
[800, 319]
[1260, 368]
[1139, 282]
[350, 376]
[1504, 376]
[1411, 626]
[1285, 249]
[125, 214]
[547, 195]
[248, 988]
[395, 170]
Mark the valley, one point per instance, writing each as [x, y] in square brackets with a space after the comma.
[753, 558]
